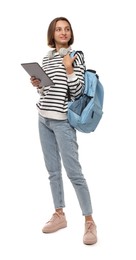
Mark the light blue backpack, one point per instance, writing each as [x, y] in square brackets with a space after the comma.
[85, 112]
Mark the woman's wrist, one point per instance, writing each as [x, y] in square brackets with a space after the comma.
[69, 70]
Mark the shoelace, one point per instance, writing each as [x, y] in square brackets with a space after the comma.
[89, 227]
[55, 215]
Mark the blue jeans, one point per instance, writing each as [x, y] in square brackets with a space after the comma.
[58, 141]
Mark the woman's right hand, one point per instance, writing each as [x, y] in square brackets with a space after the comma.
[35, 82]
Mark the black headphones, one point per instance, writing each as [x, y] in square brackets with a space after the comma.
[62, 52]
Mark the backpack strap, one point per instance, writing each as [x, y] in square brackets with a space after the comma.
[72, 54]
[68, 93]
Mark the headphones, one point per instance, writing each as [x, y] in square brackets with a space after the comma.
[62, 52]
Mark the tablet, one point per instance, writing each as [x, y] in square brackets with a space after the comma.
[34, 69]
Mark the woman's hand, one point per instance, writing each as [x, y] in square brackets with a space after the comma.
[67, 62]
[35, 82]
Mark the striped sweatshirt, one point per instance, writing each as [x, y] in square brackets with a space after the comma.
[53, 101]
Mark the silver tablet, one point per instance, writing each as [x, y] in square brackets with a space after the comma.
[34, 69]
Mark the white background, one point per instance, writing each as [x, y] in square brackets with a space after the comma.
[105, 32]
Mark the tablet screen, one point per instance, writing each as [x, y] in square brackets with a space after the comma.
[34, 69]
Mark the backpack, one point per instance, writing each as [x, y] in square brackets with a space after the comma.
[86, 110]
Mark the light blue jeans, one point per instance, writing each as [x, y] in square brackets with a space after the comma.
[59, 141]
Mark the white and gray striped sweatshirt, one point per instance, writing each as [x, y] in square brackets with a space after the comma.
[53, 102]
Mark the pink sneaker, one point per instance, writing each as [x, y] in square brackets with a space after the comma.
[90, 235]
[57, 222]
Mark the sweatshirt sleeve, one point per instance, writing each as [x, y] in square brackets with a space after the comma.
[76, 79]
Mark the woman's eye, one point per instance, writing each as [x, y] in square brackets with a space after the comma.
[58, 29]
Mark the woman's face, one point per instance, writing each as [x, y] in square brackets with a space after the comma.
[62, 34]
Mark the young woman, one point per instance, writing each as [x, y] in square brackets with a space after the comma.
[57, 137]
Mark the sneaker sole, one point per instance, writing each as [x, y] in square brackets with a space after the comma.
[92, 242]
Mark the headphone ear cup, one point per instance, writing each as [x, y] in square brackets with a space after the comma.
[64, 51]
[51, 54]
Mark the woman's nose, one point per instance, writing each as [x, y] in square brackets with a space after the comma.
[63, 31]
